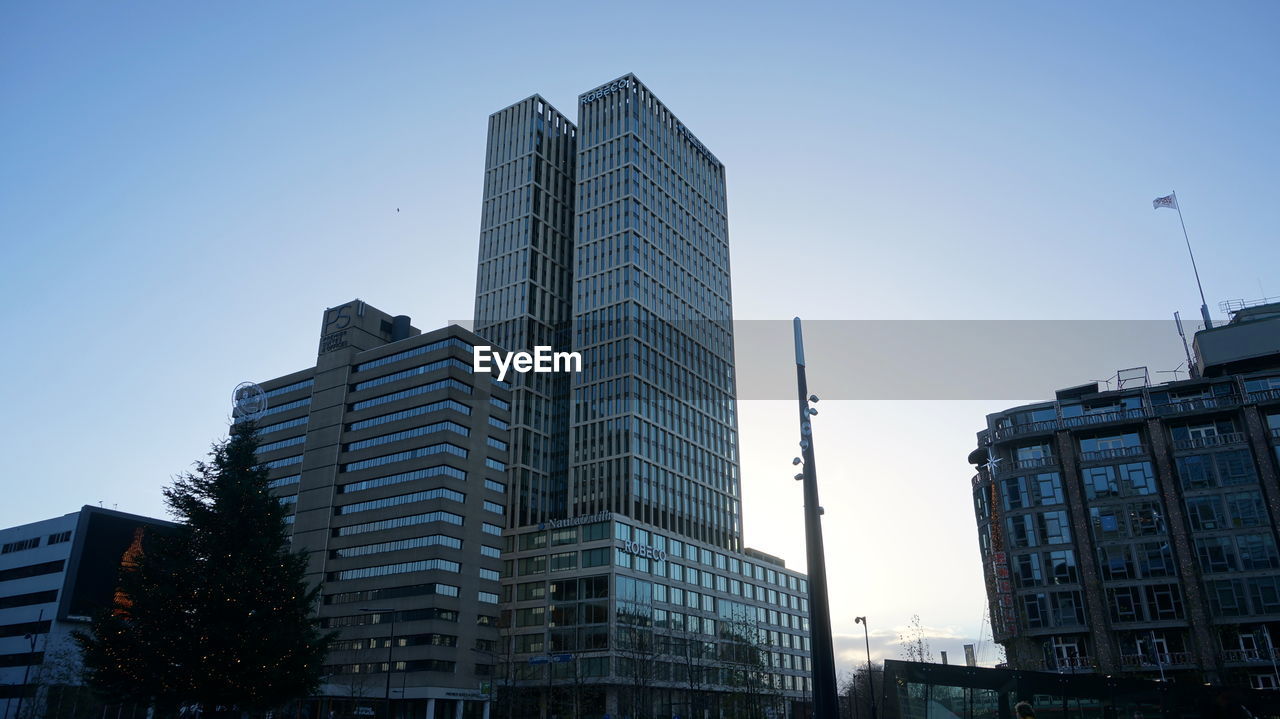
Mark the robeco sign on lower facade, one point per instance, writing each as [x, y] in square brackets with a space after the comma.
[644, 550]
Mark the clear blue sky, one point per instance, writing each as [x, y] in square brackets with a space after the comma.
[185, 187]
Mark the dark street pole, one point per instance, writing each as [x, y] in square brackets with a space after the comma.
[825, 701]
[871, 687]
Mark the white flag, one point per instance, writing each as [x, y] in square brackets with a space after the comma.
[1170, 201]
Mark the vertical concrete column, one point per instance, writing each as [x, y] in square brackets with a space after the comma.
[431, 709]
[1105, 652]
[486, 709]
[457, 708]
[1204, 639]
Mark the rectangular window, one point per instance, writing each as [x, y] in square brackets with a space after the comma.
[1061, 566]
[1125, 604]
[494, 507]
[1115, 563]
[1257, 551]
[1264, 593]
[1164, 601]
[564, 561]
[1216, 554]
[1226, 597]
[1246, 509]
[1155, 559]
[1054, 528]
[1027, 569]
[1204, 513]
[21, 545]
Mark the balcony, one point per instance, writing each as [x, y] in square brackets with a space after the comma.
[1070, 664]
[1266, 395]
[1019, 430]
[1120, 415]
[1203, 404]
[1152, 662]
[1217, 440]
[1103, 455]
[1247, 656]
[1023, 465]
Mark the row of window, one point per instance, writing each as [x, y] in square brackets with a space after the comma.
[429, 450]
[445, 426]
[287, 424]
[422, 565]
[445, 383]
[415, 352]
[290, 442]
[692, 553]
[411, 372]
[446, 404]
[431, 540]
[400, 499]
[440, 470]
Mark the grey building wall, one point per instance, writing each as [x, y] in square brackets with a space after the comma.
[395, 455]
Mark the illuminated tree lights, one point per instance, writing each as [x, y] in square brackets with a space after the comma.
[217, 611]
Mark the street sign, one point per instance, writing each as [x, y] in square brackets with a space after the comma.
[539, 660]
[562, 658]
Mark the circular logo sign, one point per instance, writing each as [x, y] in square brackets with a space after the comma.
[248, 401]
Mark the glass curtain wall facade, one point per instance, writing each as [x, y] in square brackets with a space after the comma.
[523, 287]
[611, 239]
[653, 423]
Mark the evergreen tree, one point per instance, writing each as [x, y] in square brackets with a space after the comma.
[217, 612]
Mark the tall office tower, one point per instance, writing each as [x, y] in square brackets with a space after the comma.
[652, 420]
[393, 455]
[1134, 531]
[654, 425]
[625, 589]
[523, 287]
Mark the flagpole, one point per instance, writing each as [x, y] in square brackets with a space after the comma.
[1204, 306]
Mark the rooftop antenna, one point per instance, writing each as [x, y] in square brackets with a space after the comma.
[1171, 201]
[1191, 366]
[1175, 371]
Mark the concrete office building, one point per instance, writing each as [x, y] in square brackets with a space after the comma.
[618, 224]
[56, 574]
[1133, 530]
[394, 456]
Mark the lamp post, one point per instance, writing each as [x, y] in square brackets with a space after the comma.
[871, 687]
[826, 705]
[391, 641]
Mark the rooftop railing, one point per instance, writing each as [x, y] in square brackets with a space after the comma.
[1186, 406]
